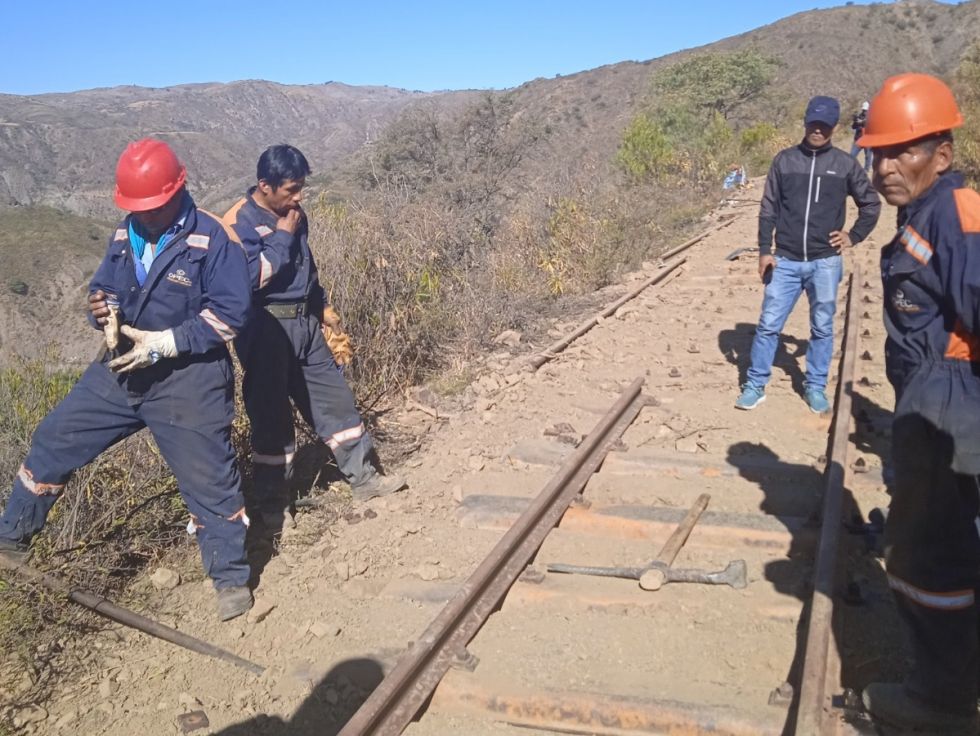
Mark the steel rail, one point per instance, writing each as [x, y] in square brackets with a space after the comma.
[556, 347]
[392, 706]
[812, 710]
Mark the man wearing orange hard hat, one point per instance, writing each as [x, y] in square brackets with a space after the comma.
[931, 277]
[171, 292]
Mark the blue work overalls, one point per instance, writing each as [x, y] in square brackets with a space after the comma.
[199, 287]
[285, 356]
[931, 277]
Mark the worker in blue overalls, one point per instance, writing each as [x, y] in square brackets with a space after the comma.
[171, 292]
[284, 351]
[931, 278]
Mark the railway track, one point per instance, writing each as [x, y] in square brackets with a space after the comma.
[754, 642]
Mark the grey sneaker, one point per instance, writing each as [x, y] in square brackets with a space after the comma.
[377, 485]
[750, 397]
[233, 602]
[890, 704]
[816, 399]
[15, 552]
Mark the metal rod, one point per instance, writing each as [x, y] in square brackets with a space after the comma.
[813, 691]
[668, 553]
[124, 616]
[393, 704]
[556, 347]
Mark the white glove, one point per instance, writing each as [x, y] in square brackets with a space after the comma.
[148, 348]
[111, 329]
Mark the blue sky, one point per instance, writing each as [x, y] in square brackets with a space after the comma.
[70, 45]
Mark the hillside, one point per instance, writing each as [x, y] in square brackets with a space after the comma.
[48, 259]
[58, 150]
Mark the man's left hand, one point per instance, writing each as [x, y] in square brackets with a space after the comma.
[331, 319]
[840, 239]
[337, 340]
[148, 348]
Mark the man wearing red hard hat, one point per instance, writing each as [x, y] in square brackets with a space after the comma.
[931, 277]
[171, 292]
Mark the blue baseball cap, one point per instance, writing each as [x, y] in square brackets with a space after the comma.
[822, 109]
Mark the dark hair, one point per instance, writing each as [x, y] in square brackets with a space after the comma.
[279, 163]
[933, 141]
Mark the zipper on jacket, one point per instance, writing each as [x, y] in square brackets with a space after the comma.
[809, 195]
[816, 199]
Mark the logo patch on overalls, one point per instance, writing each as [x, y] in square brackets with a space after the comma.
[263, 230]
[902, 304]
[179, 277]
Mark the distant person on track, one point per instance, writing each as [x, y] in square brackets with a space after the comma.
[171, 292]
[804, 203]
[931, 278]
[858, 122]
[285, 351]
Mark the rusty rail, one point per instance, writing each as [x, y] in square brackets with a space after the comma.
[812, 712]
[394, 703]
[556, 347]
[539, 359]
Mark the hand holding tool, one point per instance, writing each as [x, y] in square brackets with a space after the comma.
[148, 348]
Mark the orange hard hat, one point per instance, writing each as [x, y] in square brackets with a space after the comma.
[148, 175]
[907, 107]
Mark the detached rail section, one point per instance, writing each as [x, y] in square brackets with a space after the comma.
[605, 633]
[398, 698]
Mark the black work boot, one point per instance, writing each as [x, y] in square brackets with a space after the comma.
[14, 552]
[234, 601]
[377, 485]
[892, 705]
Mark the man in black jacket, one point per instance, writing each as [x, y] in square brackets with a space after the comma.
[804, 203]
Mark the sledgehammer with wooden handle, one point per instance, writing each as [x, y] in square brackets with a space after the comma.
[659, 571]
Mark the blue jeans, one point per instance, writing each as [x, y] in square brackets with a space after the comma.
[868, 156]
[819, 279]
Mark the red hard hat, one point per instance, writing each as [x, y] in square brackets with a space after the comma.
[148, 175]
[907, 107]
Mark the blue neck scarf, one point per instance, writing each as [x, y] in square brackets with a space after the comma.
[138, 238]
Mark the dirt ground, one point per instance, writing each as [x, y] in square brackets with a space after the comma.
[350, 588]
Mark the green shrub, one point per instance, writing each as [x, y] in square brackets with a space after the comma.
[758, 144]
[645, 152]
[686, 134]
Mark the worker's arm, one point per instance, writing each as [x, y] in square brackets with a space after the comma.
[268, 251]
[101, 285]
[226, 299]
[769, 209]
[957, 258]
[867, 200]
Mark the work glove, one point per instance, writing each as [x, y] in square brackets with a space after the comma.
[337, 340]
[111, 329]
[148, 348]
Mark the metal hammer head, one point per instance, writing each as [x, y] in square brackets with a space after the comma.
[654, 577]
[734, 575]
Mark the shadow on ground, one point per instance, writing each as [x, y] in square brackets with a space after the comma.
[736, 345]
[328, 707]
[873, 648]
